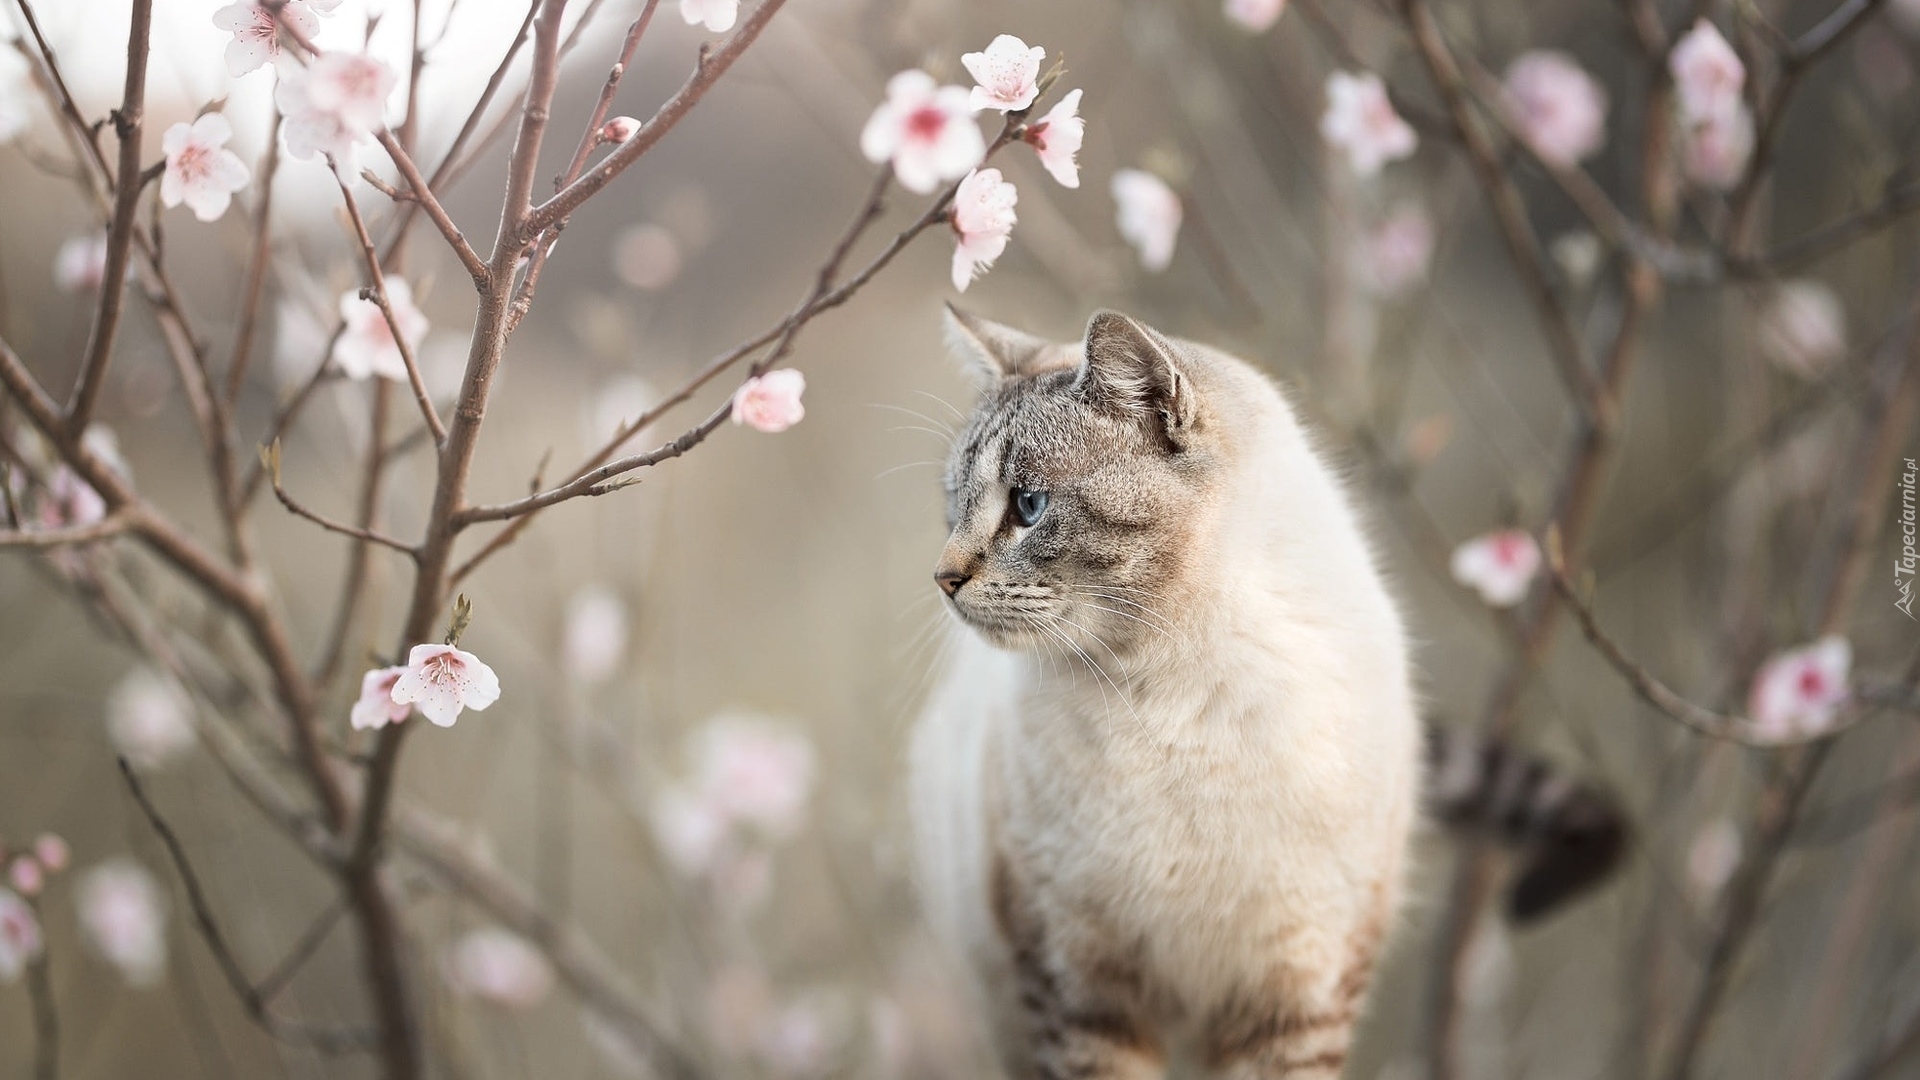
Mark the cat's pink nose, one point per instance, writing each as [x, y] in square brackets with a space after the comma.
[951, 580]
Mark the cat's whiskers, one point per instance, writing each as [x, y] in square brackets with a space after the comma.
[946, 432]
[1098, 671]
[957, 414]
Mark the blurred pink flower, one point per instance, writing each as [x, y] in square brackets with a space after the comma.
[333, 105]
[1707, 74]
[1360, 122]
[149, 719]
[81, 264]
[201, 171]
[926, 130]
[1057, 137]
[620, 129]
[20, 941]
[595, 639]
[1797, 694]
[738, 1001]
[1803, 328]
[256, 40]
[755, 771]
[1712, 857]
[1560, 110]
[442, 680]
[1717, 147]
[367, 347]
[693, 831]
[1255, 15]
[647, 256]
[1149, 216]
[1008, 74]
[793, 1041]
[69, 500]
[26, 875]
[1395, 253]
[717, 15]
[324, 7]
[770, 402]
[376, 707]
[1500, 566]
[52, 851]
[982, 221]
[499, 966]
[123, 914]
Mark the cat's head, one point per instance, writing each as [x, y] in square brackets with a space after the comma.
[1080, 488]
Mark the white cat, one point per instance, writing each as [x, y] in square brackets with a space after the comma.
[1164, 795]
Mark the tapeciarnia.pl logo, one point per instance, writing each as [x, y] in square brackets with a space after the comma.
[1903, 567]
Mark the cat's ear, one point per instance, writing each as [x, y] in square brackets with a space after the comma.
[992, 352]
[1132, 369]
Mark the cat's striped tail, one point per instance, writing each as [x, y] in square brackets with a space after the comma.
[1567, 834]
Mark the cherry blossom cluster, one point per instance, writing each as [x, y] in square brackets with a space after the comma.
[440, 680]
[122, 914]
[1717, 125]
[929, 134]
[750, 781]
[332, 105]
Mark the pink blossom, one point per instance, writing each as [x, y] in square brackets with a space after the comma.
[754, 771]
[123, 914]
[691, 829]
[367, 347]
[1500, 566]
[499, 966]
[256, 40]
[26, 876]
[1717, 147]
[52, 851]
[149, 719]
[81, 264]
[619, 129]
[647, 256]
[1008, 73]
[1803, 329]
[443, 680]
[982, 220]
[770, 402]
[201, 171]
[793, 1041]
[1395, 254]
[324, 7]
[1797, 694]
[376, 707]
[926, 130]
[1149, 216]
[1712, 857]
[20, 941]
[333, 105]
[1707, 74]
[1360, 121]
[1559, 109]
[1057, 137]
[595, 640]
[69, 501]
[717, 15]
[1255, 15]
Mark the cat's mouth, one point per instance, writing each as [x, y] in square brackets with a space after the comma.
[1023, 617]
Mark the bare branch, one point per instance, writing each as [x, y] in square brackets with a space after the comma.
[272, 454]
[110, 526]
[293, 1033]
[423, 193]
[707, 70]
[127, 124]
[250, 293]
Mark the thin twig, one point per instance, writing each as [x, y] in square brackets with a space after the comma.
[377, 280]
[127, 124]
[293, 1033]
[327, 523]
[110, 526]
[257, 266]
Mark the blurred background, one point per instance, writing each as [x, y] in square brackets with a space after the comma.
[761, 608]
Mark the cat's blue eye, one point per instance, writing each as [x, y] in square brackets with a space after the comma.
[1028, 505]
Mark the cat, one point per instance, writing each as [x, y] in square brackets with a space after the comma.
[1164, 793]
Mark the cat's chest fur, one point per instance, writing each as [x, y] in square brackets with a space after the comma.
[1184, 820]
